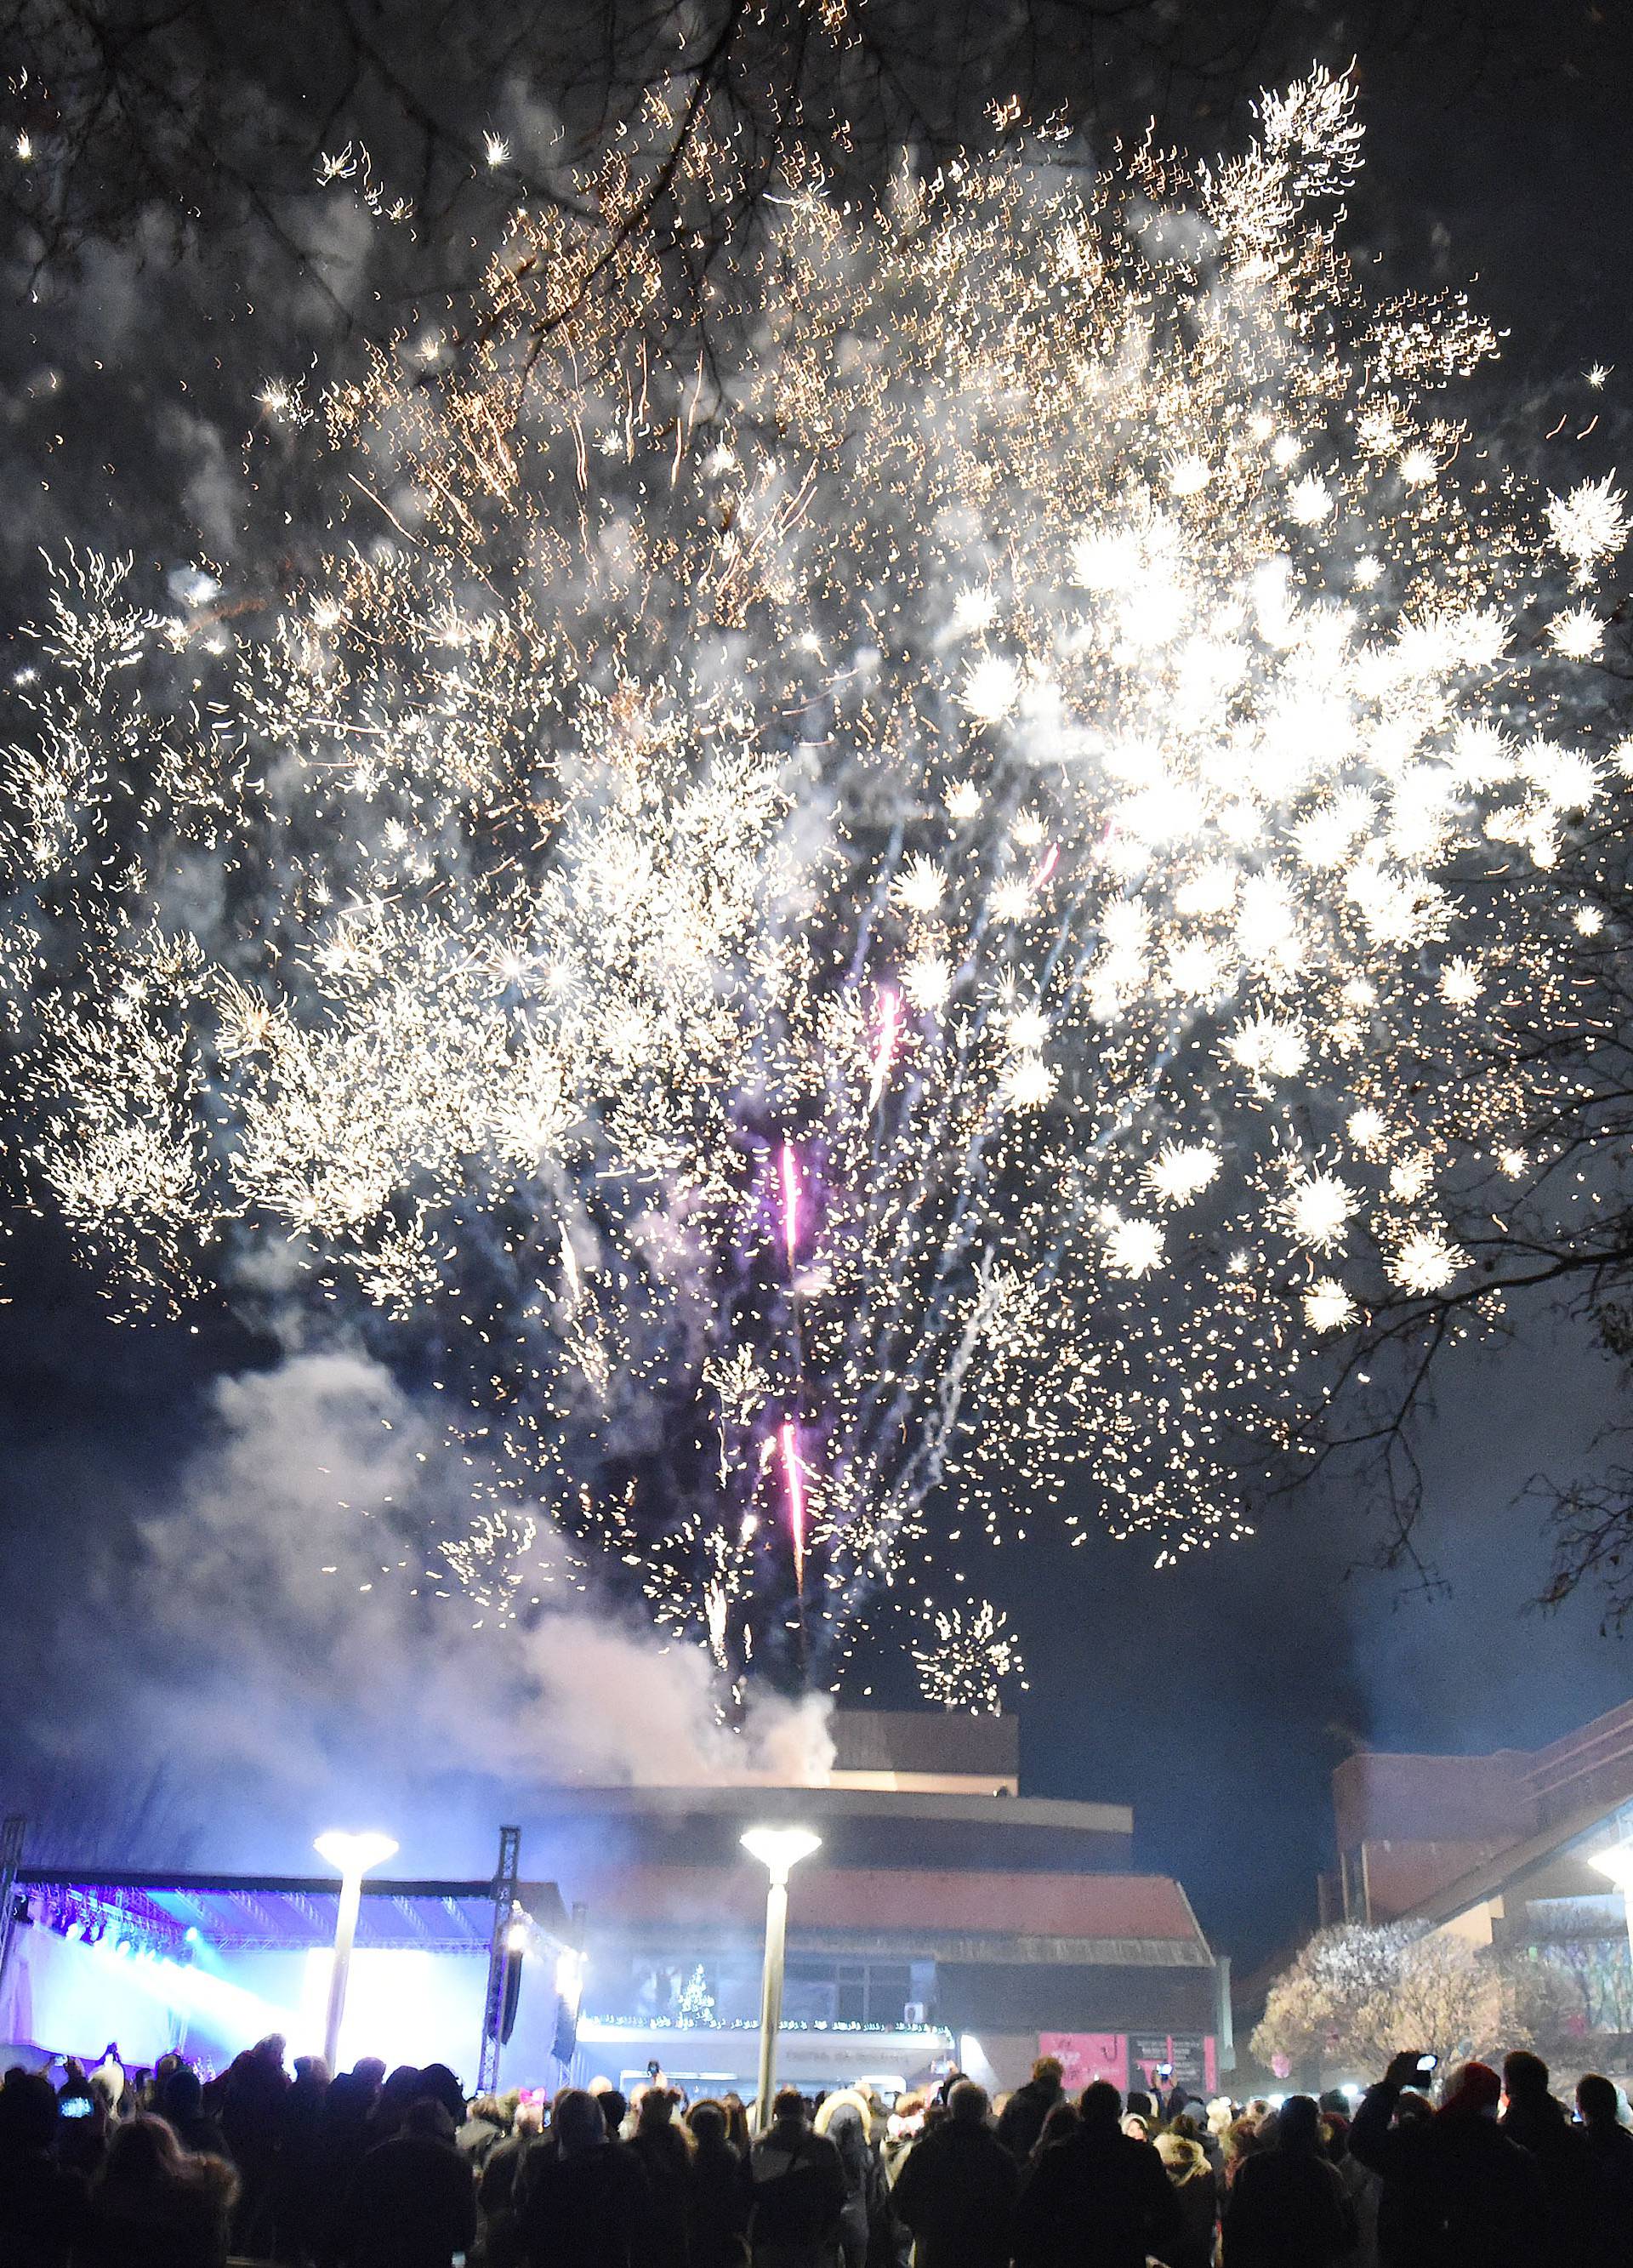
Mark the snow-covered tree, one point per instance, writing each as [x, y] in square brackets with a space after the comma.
[1356, 1996]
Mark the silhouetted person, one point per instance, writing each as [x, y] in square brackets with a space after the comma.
[1021, 2119]
[391, 2104]
[412, 2203]
[723, 2191]
[1196, 2192]
[300, 2182]
[586, 2203]
[252, 2119]
[799, 2191]
[956, 2190]
[481, 2131]
[1098, 2199]
[84, 2127]
[500, 2188]
[843, 2119]
[181, 2103]
[1532, 2118]
[439, 2084]
[1288, 2207]
[1608, 2153]
[614, 2110]
[342, 2139]
[665, 2150]
[1059, 2126]
[153, 2205]
[1456, 2192]
[43, 2205]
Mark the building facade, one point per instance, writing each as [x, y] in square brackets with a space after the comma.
[946, 1919]
[1500, 1850]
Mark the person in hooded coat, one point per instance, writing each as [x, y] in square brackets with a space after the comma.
[1021, 2120]
[1288, 2206]
[843, 2119]
[1196, 2190]
[587, 2203]
[957, 2191]
[1456, 2192]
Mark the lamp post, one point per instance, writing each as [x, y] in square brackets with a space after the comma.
[778, 1849]
[352, 1855]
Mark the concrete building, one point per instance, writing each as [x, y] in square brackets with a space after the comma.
[946, 1918]
[1411, 1828]
[1499, 1850]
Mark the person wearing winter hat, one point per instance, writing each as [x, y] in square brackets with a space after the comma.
[844, 2117]
[1191, 2126]
[1197, 2192]
[1454, 2188]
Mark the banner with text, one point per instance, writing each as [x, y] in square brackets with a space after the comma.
[1088, 2056]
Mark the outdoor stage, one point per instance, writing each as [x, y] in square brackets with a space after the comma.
[205, 1964]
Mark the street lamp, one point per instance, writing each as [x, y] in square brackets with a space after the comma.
[352, 1855]
[778, 1849]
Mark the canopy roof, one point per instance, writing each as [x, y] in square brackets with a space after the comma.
[277, 1913]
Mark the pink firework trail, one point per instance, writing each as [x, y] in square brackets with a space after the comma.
[790, 1202]
[794, 1481]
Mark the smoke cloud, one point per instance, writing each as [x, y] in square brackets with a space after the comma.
[274, 1640]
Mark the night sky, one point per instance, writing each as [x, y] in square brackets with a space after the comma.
[163, 1700]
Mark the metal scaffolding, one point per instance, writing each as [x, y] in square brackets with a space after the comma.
[10, 1860]
[506, 1884]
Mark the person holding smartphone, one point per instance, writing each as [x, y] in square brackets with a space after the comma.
[1454, 2188]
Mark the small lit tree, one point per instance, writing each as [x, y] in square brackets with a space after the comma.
[696, 2003]
[1313, 2011]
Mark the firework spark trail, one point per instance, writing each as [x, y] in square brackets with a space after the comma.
[834, 956]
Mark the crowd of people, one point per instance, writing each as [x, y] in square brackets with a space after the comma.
[378, 2169]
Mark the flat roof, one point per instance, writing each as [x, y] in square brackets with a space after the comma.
[781, 1805]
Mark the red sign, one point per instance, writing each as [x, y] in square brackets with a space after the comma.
[1158, 2061]
[1086, 2057]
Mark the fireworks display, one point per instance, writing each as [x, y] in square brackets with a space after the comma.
[847, 936]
